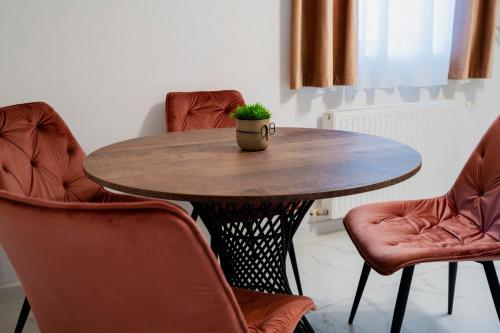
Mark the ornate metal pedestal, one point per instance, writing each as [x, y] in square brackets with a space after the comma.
[252, 242]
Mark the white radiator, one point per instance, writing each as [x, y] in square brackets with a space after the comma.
[431, 128]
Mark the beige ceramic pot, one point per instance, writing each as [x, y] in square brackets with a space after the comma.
[254, 135]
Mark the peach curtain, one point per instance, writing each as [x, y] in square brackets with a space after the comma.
[323, 43]
[473, 39]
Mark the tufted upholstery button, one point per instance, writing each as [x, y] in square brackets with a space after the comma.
[33, 163]
[39, 127]
[70, 150]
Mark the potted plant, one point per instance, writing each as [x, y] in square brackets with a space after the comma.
[253, 126]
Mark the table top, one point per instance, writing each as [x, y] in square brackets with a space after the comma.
[208, 166]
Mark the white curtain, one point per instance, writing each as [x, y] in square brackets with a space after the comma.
[404, 42]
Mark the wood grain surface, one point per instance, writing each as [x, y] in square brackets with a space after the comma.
[207, 165]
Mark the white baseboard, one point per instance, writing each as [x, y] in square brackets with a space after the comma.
[10, 285]
[8, 291]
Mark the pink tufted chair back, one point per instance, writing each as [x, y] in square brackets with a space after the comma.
[120, 267]
[39, 157]
[201, 109]
[476, 193]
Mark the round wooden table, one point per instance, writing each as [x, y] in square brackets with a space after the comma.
[252, 202]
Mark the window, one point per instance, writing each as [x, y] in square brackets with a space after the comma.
[404, 42]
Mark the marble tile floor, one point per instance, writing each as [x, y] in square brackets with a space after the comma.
[330, 268]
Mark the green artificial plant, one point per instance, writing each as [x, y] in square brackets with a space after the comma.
[255, 111]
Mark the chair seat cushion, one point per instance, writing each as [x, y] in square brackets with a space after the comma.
[272, 313]
[393, 235]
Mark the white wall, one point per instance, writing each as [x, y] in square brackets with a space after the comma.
[107, 65]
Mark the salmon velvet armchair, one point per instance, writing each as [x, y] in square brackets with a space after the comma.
[201, 109]
[94, 261]
[129, 267]
[463, 225]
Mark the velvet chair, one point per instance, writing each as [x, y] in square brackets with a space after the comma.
[201, 109]
[463, 225]
[129, 267]
[40, 158]
[209, 109]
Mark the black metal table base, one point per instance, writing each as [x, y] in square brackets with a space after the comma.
[252, 242]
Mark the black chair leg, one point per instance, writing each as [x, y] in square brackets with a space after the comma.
[213, 244]
[293, 261]
[491, 275]
[195, 214]
[359, 292]
[23, 316]
[402, 299]
[214, 247]
[452, 278]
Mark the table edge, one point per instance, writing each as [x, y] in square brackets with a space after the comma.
[252, 198]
